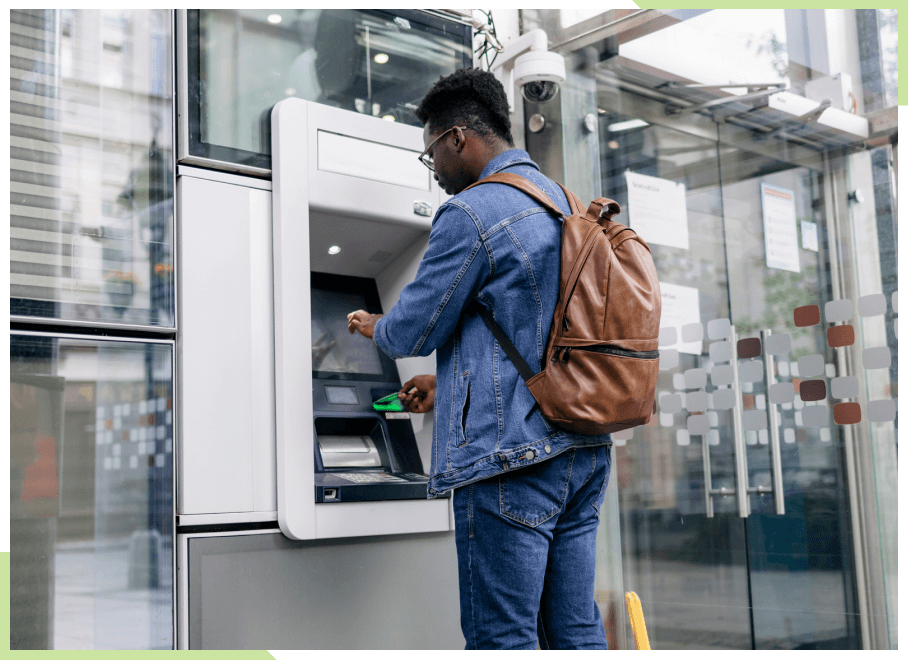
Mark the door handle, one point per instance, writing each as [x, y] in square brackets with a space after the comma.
[742, 480]
[778, 492]
[742, 489]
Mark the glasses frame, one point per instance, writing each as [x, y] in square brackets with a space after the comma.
[422, 156]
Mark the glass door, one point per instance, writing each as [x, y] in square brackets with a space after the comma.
[796, 401]
[735, 510]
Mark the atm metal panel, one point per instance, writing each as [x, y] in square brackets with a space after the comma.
[368, 198]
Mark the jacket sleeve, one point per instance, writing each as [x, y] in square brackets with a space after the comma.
[451, 273]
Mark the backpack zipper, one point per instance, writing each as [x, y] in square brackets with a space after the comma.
[608, 350]
[586, 250]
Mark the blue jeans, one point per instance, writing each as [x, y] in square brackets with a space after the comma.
[526, 554]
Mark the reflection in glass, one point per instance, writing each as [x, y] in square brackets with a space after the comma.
[91, 192]
[242, 62]
[91, 505]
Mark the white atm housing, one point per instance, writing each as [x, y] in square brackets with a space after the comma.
[350, 180]
[338, 178]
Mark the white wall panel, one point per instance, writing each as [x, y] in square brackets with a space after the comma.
[225, 349]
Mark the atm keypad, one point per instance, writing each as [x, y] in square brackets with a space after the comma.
[371, 477]
[382, 477]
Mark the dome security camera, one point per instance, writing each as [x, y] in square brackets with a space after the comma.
[539, 74]
[527, 63]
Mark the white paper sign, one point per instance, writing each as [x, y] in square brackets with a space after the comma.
[809, 236]
[657, 210]
[681, 306]
[780, 228]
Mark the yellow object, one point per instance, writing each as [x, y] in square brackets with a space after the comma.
[638, 625]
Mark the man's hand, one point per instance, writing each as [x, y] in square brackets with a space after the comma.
[418, 394]
[362, 321]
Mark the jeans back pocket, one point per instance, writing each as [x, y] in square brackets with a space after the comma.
[533, 495]
[606, 454]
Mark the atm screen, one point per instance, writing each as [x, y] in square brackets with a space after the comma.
[334, 349]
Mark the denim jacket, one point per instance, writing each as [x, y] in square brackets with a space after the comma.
[497, 245]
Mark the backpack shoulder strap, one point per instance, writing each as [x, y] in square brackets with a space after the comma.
[573, 200]
[509, 349]
[524, 185]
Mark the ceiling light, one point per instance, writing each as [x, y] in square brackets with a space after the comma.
[627, 125]
[334, 249]
[289, 92]
[275, 19]
[380, 58]
[389, 118]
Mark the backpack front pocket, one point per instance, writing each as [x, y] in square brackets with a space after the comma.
[603, 384]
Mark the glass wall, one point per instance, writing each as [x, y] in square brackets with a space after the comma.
[91, 493]
[758, 510]
[242, 62]
[91, 181]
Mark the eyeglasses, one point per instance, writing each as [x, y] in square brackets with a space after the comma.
[425, 158]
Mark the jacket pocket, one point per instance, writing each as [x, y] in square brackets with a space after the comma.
[464, 409]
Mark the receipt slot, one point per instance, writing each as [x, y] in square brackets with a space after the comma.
[353, 182]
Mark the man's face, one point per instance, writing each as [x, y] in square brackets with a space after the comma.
[448, 156]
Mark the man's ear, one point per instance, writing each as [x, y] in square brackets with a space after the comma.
[460, 139]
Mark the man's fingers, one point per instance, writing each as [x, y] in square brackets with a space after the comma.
[353, 322]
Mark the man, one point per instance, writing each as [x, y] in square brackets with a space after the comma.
[527, 494]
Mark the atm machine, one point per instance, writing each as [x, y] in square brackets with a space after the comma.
[349, 194]
[302, 519]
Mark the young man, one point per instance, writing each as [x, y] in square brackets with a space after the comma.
[527, 494]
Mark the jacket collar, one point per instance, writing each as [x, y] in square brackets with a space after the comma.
[508, 159]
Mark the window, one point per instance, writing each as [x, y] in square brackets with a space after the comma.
[91, 185]
[240, 63]
[91, 493]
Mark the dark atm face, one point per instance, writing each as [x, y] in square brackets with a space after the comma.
[360, 454]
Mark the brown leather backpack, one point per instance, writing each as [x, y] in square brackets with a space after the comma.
[601, 359]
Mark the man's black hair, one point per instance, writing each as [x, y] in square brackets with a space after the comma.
[468, 97]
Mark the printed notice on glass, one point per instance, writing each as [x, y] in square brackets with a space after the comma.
[780, 228]
[809, 236]
[657, 210]
[680, 307]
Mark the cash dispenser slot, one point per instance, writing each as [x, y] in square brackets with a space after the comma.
[348, 451]
[356, 461]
